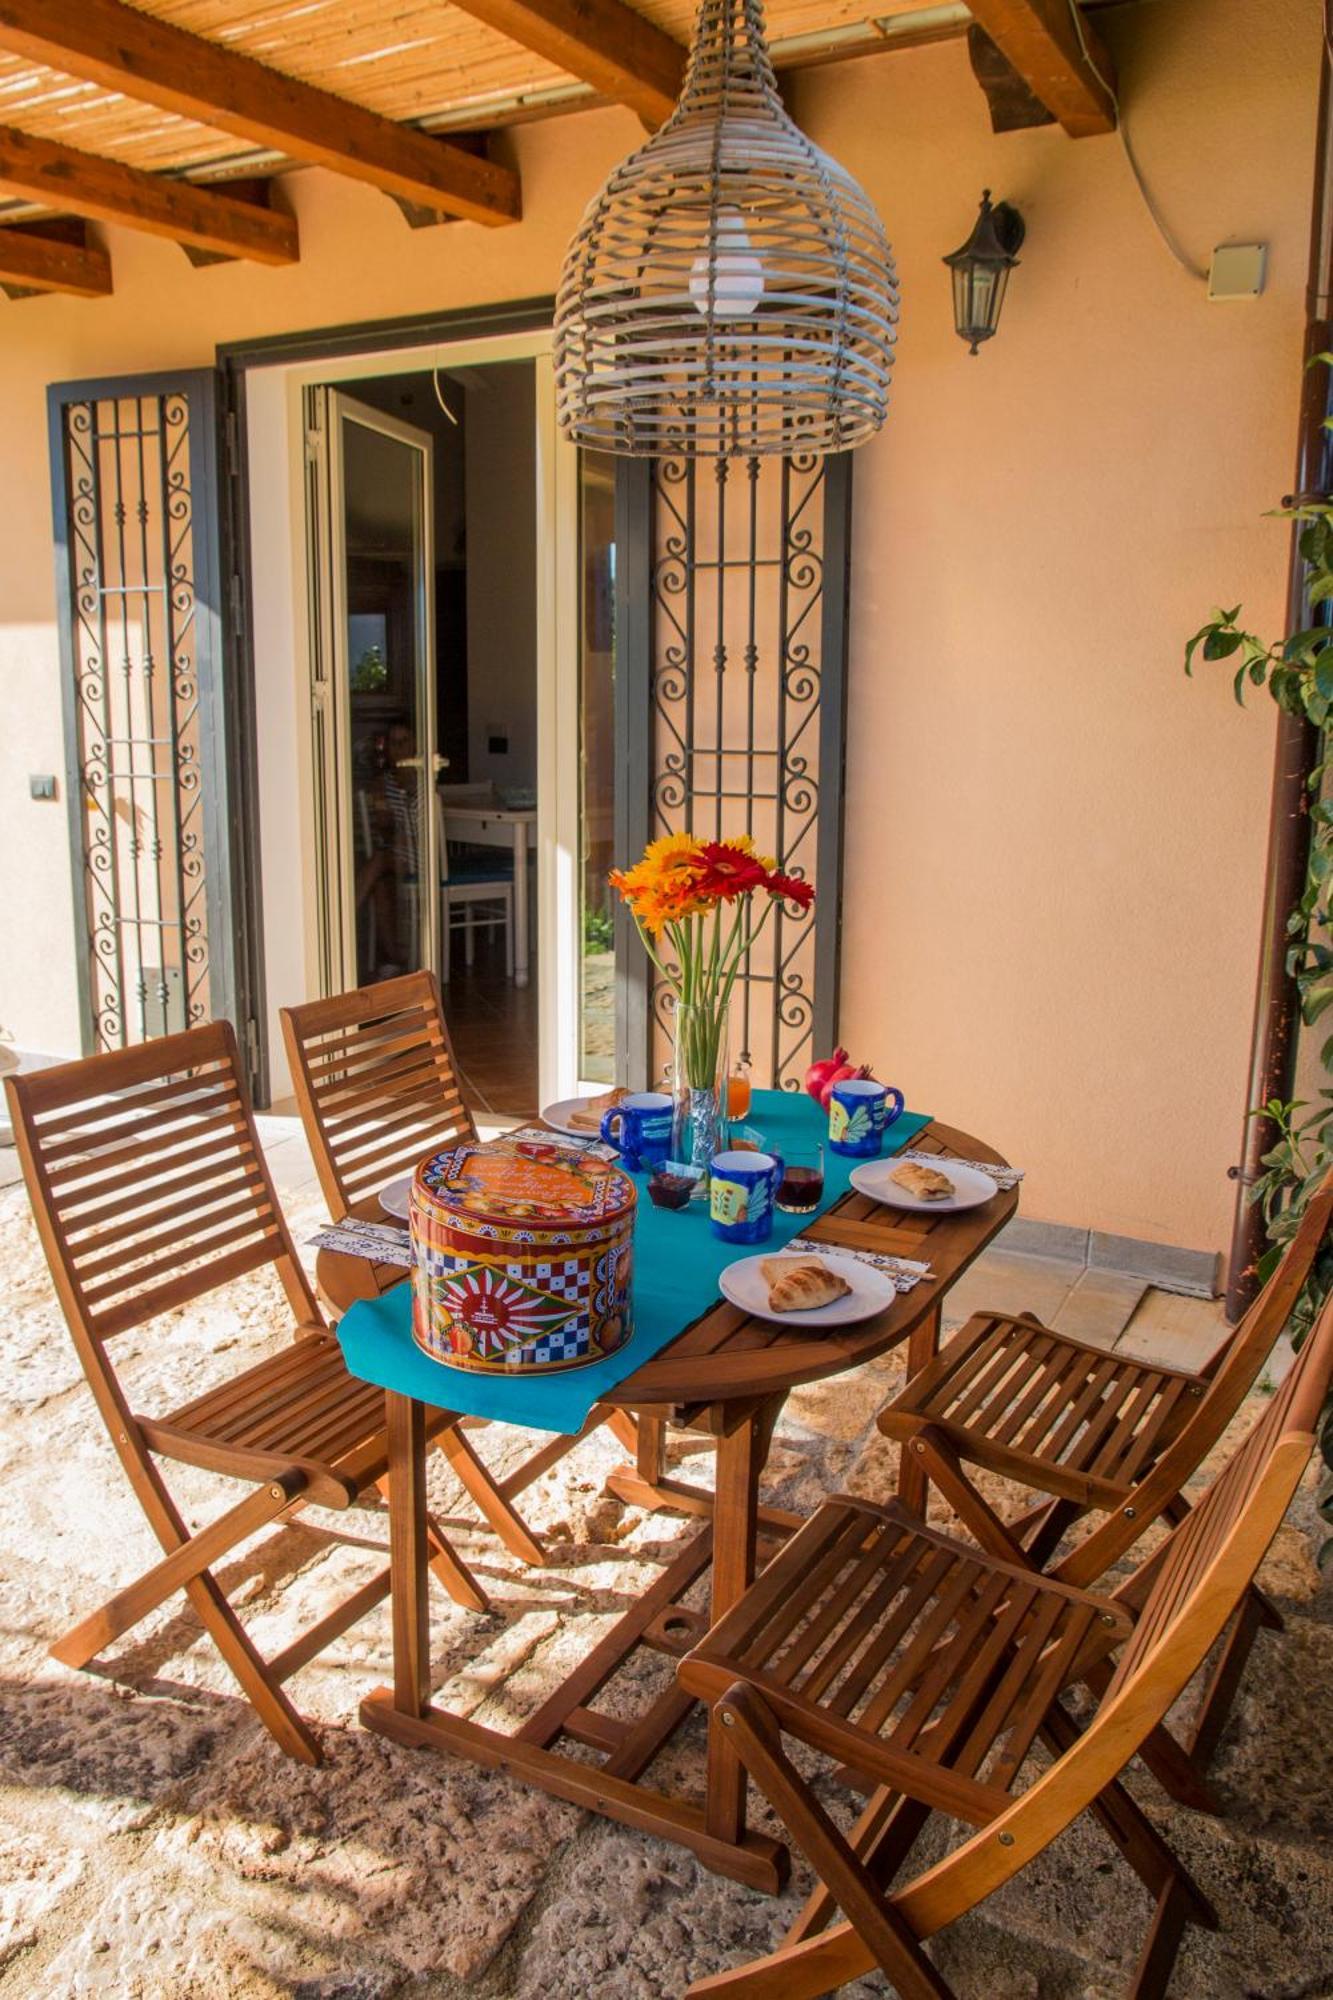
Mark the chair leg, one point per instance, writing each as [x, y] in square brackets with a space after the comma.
[509, 933]
[1049, 1531]
[452, 1571]
[88, 1638]
[447, 1564]
[205, 1594]
[943, 1468]
[887, 1939]
[224, 1628]
[1152, 1974]
[1173, 1766]
[1161, 1871]
[503, 1516]
[883, 1837]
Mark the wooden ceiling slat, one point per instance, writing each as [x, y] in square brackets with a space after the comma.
[123, 49]
[79, 183]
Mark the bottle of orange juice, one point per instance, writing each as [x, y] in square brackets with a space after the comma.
[738, 1089]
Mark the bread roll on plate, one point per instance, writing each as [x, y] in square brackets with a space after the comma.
[926, 1183]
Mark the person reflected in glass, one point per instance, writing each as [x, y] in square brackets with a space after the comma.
[389, 803]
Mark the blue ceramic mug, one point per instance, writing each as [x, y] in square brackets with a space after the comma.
[742, 1189]
[859, 1114]
[639, 1128]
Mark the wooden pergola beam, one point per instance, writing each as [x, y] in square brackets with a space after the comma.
[54, 257]
[122, 49]
[78, 183]
[1041, 41]
[602, 42]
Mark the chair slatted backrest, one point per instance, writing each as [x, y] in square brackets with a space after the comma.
[1231, 1375]
[147, 1182]
[1187, 1593]
[374, 1076]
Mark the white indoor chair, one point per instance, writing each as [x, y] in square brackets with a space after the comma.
[477, 892]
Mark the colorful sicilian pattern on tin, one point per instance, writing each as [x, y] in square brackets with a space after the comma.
[523, 1256]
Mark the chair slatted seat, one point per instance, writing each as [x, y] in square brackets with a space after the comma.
[378, 1091]
[1012, 1393]
[1093, 1432]
[932, 1669]
[902, 1651]
[149, 1191]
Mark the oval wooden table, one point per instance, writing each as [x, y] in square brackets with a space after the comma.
[726, 1377]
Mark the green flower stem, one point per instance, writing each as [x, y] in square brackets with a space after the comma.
[708, 964]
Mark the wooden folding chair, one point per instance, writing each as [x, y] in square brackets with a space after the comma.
[374, 1076]
[149, 1191]
[931, 1669]
[1094, 1433]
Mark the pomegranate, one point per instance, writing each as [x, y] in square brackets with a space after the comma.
[821, 1076]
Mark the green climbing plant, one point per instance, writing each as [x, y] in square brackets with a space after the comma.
[1297, 673]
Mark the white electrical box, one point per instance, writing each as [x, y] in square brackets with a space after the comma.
[1237, 271]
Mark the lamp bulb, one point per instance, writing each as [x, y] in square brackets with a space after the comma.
[738, 275]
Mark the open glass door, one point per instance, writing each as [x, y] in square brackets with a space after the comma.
[597, 769]
[576, 788]
[374, 686]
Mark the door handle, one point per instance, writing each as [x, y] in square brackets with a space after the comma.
[438, 763]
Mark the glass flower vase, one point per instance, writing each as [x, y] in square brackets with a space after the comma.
[698, 1085]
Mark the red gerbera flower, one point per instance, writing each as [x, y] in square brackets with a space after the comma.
[727, 872]
[791, 889]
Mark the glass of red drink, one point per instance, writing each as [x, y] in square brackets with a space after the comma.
[802, 1187]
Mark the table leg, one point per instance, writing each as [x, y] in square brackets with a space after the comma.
[409, 1554]
[741, 1453]
[923, 1344]
[650, 1450]
[520, 902]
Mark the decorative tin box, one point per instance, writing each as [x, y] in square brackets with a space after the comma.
[523, 1256]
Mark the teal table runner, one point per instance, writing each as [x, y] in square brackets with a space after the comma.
[677, 1262]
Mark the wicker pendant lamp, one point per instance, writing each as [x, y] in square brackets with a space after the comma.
[731, 290]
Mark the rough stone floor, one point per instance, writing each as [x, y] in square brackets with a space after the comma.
[154, 1843]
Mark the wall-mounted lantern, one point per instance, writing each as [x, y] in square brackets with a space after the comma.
[981, 270]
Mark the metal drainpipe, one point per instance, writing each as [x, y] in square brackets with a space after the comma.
[1273, 1045]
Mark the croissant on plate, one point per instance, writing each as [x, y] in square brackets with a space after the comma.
[799, 1284]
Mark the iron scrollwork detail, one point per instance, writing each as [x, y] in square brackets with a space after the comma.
[130, 512]
[737, 578]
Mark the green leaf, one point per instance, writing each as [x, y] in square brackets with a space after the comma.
[1221, 644]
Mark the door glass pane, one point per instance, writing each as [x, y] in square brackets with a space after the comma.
[384, 528]
[597, 568]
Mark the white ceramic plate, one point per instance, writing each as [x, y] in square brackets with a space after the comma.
[971, 1188]
[394, 1197]
[746, 1286]
[557, 1116]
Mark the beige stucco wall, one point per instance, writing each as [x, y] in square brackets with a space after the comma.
[1054, 841]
